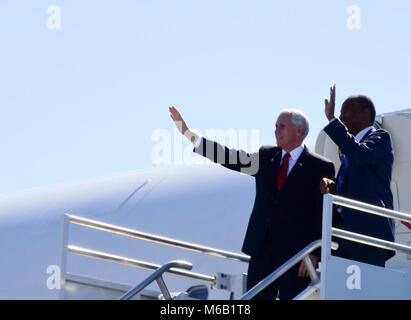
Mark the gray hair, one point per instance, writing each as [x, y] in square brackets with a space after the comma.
[298, 118]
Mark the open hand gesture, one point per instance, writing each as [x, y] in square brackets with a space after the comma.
[182, 126]
[330, 105]
[178, 120]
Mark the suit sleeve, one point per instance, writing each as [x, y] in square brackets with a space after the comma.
[237, 160]
[373, 149]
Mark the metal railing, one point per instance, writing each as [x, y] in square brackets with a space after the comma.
[157, 239]
[302, 255]
[104, 256]
[375, 242]
[158, 276]
[330, 199]
[328, 231]
[327, 244]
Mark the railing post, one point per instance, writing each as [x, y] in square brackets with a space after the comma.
[163, 288]
[158, 276]
[311, 270]
[277, 273]
[326, 239]
[65, 222]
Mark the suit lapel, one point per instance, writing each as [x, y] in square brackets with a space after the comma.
[348, 166]
[272, 170]
[275, 161]
[297, 170]
[367, 134]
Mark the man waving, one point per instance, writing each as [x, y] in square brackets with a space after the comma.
[365, 175]
[287, 212]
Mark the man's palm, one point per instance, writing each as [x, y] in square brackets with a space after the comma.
[330, 104]
[178, 120]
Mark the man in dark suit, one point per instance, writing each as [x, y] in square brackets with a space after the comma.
[365, 175]
[287, 213]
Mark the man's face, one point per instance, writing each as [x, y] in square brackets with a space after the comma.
[353, 117]
[287, 135]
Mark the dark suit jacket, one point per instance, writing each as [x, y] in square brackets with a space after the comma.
[295, 212]
[368, 179]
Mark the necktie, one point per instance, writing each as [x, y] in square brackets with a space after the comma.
[282, 173]
[342, 172]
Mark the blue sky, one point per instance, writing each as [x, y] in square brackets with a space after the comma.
[84, 100]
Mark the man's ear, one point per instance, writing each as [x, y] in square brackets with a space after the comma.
[366, 115]
[300, 131]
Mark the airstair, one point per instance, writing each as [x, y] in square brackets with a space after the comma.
[336, 278]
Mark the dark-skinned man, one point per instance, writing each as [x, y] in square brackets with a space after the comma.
[365, 174]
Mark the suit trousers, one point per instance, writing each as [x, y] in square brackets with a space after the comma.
[265, 262]
[360, 252]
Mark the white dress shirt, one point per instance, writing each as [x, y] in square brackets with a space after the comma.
[294, 155]
[362, 133]
[197, 142]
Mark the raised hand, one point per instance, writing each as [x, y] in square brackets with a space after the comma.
[178, 120]
[182, 126]
[330, 105]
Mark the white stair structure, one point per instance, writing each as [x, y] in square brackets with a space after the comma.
[337, 278]
[347, 279]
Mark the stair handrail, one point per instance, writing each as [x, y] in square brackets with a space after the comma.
[301, 255]
[132, 233]
[158, 276]
[328, 231]
[107, 257]
[371, 241]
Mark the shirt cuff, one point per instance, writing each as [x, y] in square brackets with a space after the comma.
[197, 142]
[189, 136]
